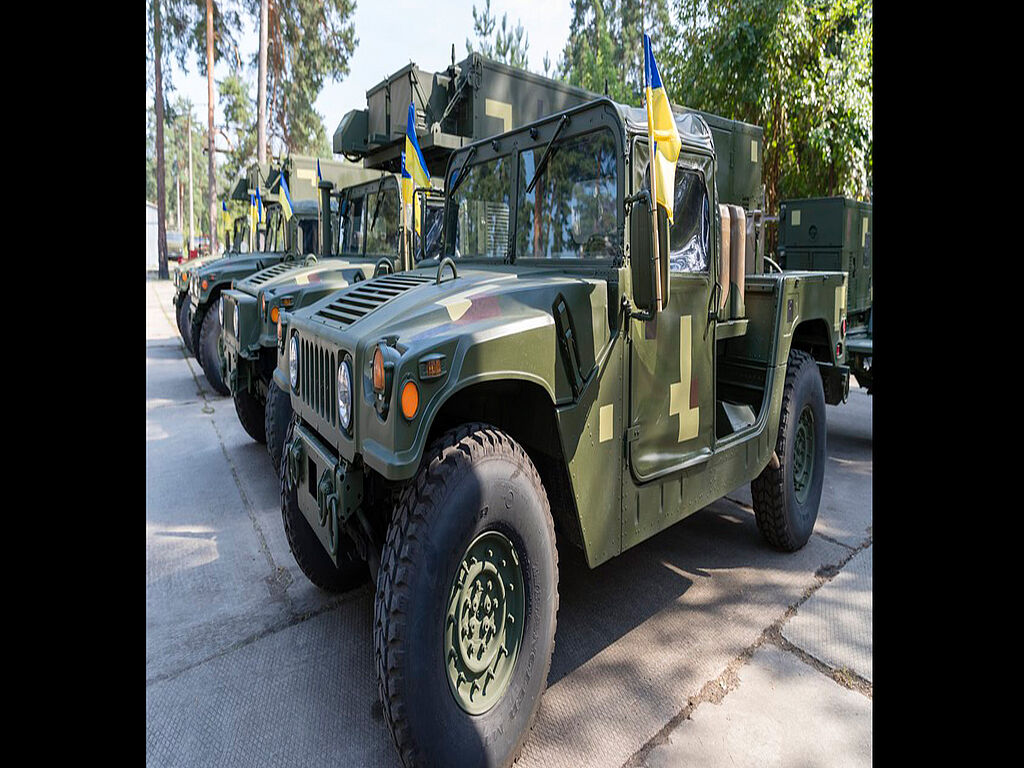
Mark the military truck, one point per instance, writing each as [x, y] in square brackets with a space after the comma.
[365, 244]
[834, 233]
[448, 420]
[247, 182]
[277, 242]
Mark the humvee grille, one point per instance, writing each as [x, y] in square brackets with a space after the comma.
[355, 303]
[318, 380]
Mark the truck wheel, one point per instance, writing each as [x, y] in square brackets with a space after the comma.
[250, 413]
[309, 553]
[786, 499]
[209, 350]
[276, 417]
[467, 596]
[183, 324]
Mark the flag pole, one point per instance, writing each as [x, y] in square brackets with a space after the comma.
[653, 147]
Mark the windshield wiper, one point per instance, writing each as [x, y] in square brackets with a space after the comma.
[547, 154]
[376, 208]
[460, 175]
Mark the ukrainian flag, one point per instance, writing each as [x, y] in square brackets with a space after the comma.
[661, 132]
[414, 161]
[409, 195]
[285, 199]
[259, 207]
[225, 217]
[252, 212]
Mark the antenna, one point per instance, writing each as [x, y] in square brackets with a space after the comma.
[453, 54]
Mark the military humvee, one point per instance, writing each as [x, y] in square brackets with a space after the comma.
[834, 233]
[279, 241]
[449, 419]
[239, 243]
[365, 244]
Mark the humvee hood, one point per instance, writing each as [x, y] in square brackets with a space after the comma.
[294, 273]
[412, 309]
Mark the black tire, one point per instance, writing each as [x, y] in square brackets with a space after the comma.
[250, 413]
[277, 416]
[473, 479]
[309, 553]
[183, 324]
[209, 354]
[783, 519]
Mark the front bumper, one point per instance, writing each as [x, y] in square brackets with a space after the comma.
[329, 490]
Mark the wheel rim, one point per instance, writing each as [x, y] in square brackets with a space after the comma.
[484, 623]
[803, 454]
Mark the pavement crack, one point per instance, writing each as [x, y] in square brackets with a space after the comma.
[716, 689]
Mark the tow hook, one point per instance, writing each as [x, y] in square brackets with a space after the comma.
[294, 467]
[327, 500]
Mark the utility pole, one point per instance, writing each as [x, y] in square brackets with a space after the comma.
[161, 203]
[209, 112]
[191, 200]
[261, 88]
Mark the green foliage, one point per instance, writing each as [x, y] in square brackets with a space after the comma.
[510, 46]
[240, 117]
[801, 69]
[185, 30]
[176, 167]
[307, 41]
[606, 45]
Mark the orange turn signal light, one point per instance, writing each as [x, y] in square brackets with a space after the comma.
[378, 370]
[274, 314]
[410, 399]
[205, 285]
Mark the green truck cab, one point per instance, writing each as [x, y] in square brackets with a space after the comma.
[293, 241]
[447, 420]
[834, 233]
[367, 242]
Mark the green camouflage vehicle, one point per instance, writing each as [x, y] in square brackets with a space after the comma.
[279, 241]
[834, 233]
[448, 420]
[251, 308]
[239, 244]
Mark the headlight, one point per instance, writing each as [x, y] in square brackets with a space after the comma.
[263, 305]
[236, 322]
[293, 362]
[220, 311]
[345, 394]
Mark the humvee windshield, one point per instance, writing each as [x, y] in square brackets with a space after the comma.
[431, 226]
[381, 225]
[352, 226]
[307, 234]
[570, 212]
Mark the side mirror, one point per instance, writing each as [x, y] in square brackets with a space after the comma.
[645, 270]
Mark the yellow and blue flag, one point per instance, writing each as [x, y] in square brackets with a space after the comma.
[225, 217]
[286, 199]
[661, 133]
[409, 195]
[319, 176]
[414, 161]
[259, 207]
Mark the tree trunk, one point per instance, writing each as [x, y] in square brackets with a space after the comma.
[261, 90]
[210, 135]
[161, 203]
